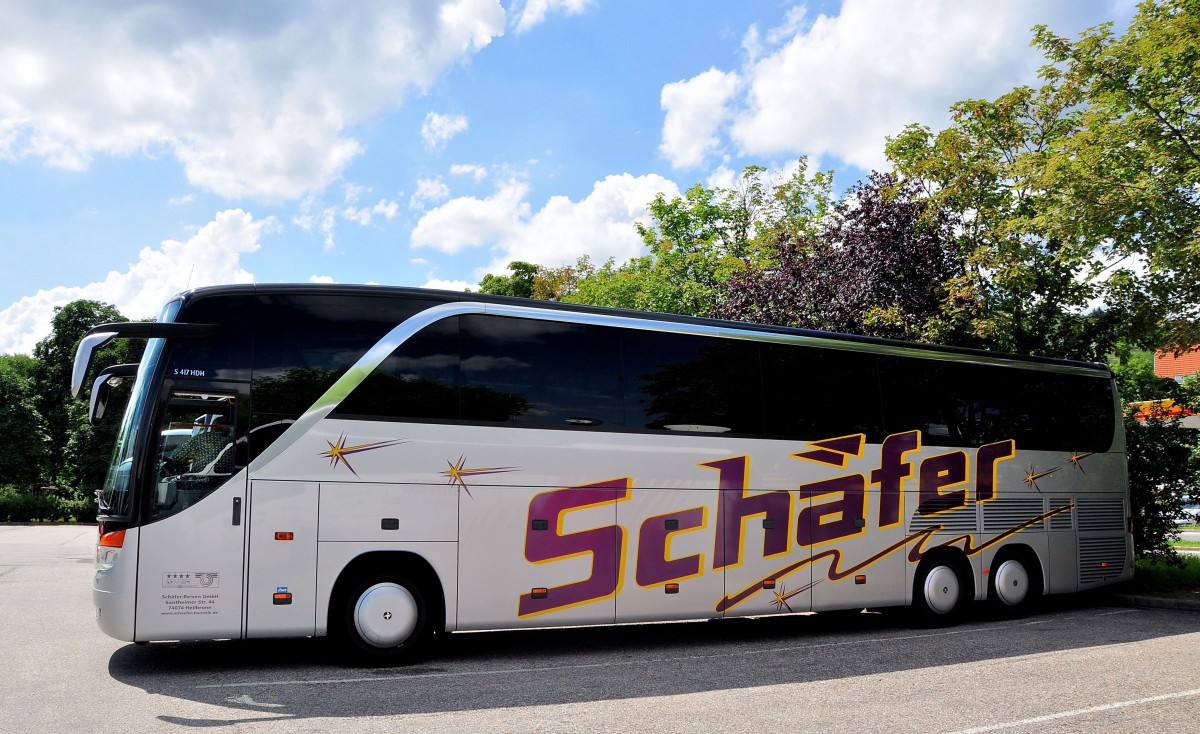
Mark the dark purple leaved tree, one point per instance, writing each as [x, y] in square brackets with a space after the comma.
[886, 265]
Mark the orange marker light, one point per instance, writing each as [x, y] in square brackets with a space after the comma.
[283, 535]
[769, 584]
[539, 593]
[115, 539]
[672, 588]
[860, 579]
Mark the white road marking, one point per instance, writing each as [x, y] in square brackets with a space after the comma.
[1079, 712]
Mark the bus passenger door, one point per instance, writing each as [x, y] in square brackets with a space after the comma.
[281, 583]
[191, 546]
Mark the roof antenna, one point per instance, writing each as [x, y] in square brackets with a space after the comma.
[189, 280]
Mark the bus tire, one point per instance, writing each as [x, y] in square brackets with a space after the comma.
[940, 591]
[385, 620]
[1014, 584]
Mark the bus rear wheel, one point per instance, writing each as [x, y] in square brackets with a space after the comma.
[939, 592]
[1014, 585]
[385, 620]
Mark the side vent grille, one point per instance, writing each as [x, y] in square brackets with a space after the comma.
[1061, 521]
[1101, 514]
[1007, 513]
[962, 520]
[1101, 559]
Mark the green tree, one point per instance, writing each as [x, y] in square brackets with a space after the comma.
[1127, 175]
[24, 444]
[1031, 280]
[697, 242]
[1069, 189]
[1163, 455]
[520, 283]
[79, 451]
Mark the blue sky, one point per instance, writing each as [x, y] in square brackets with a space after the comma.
[149, 147]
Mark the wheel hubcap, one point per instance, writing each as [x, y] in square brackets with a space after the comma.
[1012, 582]
[385, 615]
[941, 589]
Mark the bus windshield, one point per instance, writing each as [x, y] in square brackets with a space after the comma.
[114, 497]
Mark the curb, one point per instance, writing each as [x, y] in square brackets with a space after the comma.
[1158, 602]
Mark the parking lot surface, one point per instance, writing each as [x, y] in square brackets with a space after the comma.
[1081, 665]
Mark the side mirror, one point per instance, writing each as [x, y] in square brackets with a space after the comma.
[109, 378]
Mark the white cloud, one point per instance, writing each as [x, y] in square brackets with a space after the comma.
[314, 214]
[534, 12]
[600, 225]
[321, 279]
[438, 129]
[837, 85]
[467, 169]
[723, 177]
[470, 222]
[429, 190]
[253, 103]
[211, 256]
[695, 109]
[447, 285]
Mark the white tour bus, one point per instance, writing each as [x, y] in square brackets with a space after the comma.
[387, 464]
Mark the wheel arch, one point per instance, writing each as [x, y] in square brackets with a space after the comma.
[950, 555]
[411, 565]
[1029, 557]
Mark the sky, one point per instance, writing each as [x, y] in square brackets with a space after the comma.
[151, 147]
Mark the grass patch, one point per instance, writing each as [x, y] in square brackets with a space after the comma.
[1186, 543]
[1164, 578]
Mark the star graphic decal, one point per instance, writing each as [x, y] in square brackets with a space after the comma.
[1076, 458]
[1033, 475]
[458, 472]
[338, 452]
[781, 595]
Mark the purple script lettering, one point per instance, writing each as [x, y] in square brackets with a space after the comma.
[606, 544]
[736, 506]
[892, 472]
[938, 473]
[837, 518]
[654, 540]
[985, 472]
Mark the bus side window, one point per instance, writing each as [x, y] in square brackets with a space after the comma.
[418, 381]
[196, 450]
[544, 373]
[813, 394]
[697, 384]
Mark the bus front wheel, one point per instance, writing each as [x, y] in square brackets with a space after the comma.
[385, 620]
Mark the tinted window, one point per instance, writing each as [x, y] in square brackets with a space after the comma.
[540, 372]
[820, 393]
[417, 381]
[223, 356]
[963, 404]
[491, 369]
[304, 342]
[680, 382]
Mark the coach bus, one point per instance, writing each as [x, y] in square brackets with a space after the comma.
[386, 465]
